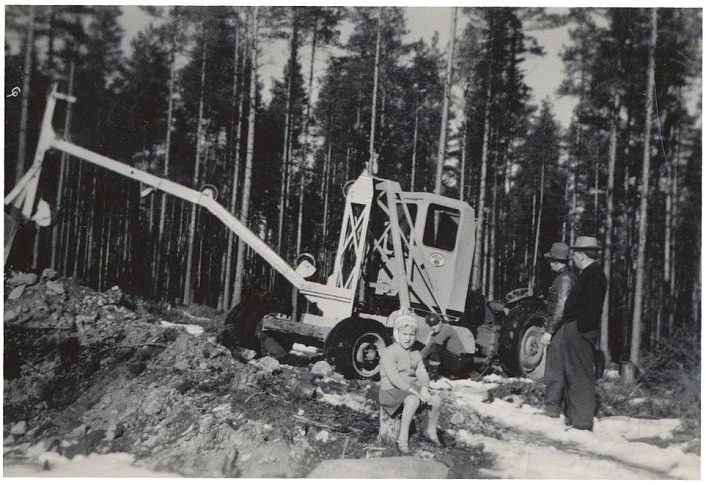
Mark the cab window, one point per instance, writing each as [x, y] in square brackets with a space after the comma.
[441, 227]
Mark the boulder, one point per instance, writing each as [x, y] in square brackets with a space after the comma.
[457, 418]
[49, 274]
[18, 279]
[322, 368]
[10, 315]
[267, 363]
[16, 293]
[19, 428]
[390, 467]
[55, 288]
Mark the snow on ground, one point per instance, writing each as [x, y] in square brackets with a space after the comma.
[41, 463]
[528, 461]
[192, 329]
[611, 438]
[354, 401]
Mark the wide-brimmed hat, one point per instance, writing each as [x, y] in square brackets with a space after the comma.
[586, 242]
[558, 252]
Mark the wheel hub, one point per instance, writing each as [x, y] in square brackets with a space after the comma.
[367, 353]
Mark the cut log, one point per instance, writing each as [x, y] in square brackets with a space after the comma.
[390, 426]
[272, 323]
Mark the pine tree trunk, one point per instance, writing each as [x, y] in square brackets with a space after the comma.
[672, 276]
[80, 209]
[188, 279]
[644, 192]
[491, 262]
[158, 262]
[537, 229]
[441, 155]
[237, 131]
[324, 222]
[464, 134]
[305, 148]
[414, 147]
[284, 183]
[62, 170]
[29, 49]
[373, 111]
[608, 251]
[480, 215]
[247, 176]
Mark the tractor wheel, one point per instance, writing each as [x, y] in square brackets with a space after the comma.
[520, 350]
[353, 347]
[244, 328]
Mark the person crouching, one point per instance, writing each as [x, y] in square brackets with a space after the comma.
[404, 382]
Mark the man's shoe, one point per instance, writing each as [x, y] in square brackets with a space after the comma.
[551, 413]
[580, 428]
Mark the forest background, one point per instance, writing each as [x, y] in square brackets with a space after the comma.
[188, 103]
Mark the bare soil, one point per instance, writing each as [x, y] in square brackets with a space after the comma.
[89, 372]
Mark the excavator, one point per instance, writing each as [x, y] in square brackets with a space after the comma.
[397, 252]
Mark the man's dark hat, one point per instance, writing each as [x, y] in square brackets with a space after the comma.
[558, 252]
[586, 242]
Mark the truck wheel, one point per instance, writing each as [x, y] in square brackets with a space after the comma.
[520, 350]
[244, 326]
[353, 347]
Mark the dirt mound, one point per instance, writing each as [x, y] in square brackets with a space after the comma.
[89, 372]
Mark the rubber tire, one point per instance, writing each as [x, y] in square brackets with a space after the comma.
[344, 342]
[243, 325]
[520, 349]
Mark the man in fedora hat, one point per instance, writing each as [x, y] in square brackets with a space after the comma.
[583, 312]
[553, 337]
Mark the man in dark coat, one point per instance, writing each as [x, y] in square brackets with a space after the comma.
[553, 337]
[583, 315]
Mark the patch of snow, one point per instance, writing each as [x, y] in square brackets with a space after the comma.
[611, 438]
[192, 329]
[194, 317]
[353, 401]
[527, 461]
[51, 464]
[305, 350]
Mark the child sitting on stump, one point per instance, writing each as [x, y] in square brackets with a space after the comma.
[404, 382]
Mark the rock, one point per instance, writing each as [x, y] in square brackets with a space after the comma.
[10, 315]
[16, 293]
[49, 274]
[322, 436]
[245, 354]
[457, 418]
[26, 279]
[10, 440]
[267, 363]
[84, 319]
[19, 428]
[390, 467]
[181, 363]
[55, 288]
[153, 407]
[322, 368]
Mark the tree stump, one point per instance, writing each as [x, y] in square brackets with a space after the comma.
[390, 426]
